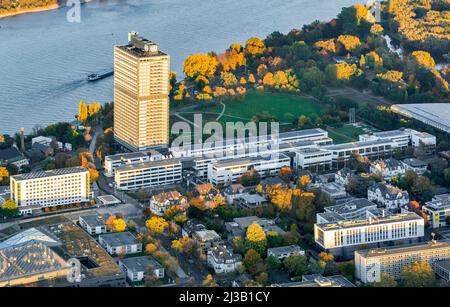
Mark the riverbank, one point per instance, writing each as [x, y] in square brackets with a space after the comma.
[31, 10]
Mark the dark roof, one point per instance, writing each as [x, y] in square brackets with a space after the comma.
[11, 154]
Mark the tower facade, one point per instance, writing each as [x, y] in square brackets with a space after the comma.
[141, 94]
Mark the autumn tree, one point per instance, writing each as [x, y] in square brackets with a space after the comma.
[269, 79]
[251, 78]
[253, 262]
[119, 225]
[157, 224]
[150, 248]
[386, 281]
[200, 64]
[82, 114]
[350, 42]
[423, 58]
[304, 180]
[418, 274]
[10, 209]
[285, 173]
[4, 174]
[254, 46]
[209, 282]
[376, 29]
[255, 233]
[228, 79]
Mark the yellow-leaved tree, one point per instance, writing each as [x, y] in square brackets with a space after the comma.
[119, 225]
[254, 46]
[200, 64]
[3, 173]
[157, 224]
[255, 233]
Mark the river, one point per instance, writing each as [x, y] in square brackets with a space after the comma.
[44, 59]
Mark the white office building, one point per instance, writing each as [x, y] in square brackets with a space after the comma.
[114, 161]
[438, 210]
[313, 157]
[343, 237]
[37, 190]
[227, 171]
[371, 263]
[373, 149]
[256, 144]
[403, 137]
[148, 174]
[354, 209]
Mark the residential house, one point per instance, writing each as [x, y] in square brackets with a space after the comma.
[206, 239]
[417, 166]
[161, 202]
[223, 260]
[343, 175]
[388, 168]
[388, 196]
[285, 251]
[233, 191]
[13, 156]
[250, 201]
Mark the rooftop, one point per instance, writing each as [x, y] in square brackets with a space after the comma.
[149, 164]
[317, 280]
[119, 238]
[95, 220]
[167, 196]
[28, 259]
[245, 160]
[285, 249]
[222, 253]
[50, 173]
[435, 112]
[409, 216]
[207, 235]
[351, 206]
[252, 198]
[11, 153]
[439, 202]
[125, 156]
[413, 248]
[354, 145]
[141, 264]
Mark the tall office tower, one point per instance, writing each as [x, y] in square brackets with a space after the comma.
[141, 94]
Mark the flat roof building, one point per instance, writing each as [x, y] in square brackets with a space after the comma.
[371, 263]
[120, 243]
[137, 268]
[434, 114]
[63, 186]
[148, 174]
[342, 238]
[438, 210]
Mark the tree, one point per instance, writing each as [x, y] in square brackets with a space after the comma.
[251, 78]
[254, 46]
[376, 29]
[150, 248]
[350, 42]
[200, 64]
[269, 79]
[157, 224]
[418, 274]
[209, 282]
[10, 209]
[4, 173]
[177, 246]
[253, 262]
[285, 173]
[82, 112]
[255, 233]
[273, 262]
[304, 180]
[297, 265]
[119, 225]
[228, 79]
[386, 281]
[423, 58]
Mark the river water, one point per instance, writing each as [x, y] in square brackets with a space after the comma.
[44, 59]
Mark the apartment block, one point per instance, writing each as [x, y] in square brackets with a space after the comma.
[37, 190]
[371, 263]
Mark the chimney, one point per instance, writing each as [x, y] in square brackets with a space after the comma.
[22, 139]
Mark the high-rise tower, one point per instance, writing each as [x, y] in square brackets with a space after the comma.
[141, 94]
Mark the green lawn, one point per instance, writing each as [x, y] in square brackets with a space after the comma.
[283, 106]
[345, 133]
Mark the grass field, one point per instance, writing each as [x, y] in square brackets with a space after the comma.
[344, 134]
[286, 108]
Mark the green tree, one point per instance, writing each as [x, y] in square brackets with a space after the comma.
[297, 265]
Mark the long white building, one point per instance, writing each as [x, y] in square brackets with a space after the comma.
[343, 237]
[251, 145]
[114, 161]
[50, 188]
[402, 137]
[148, 174]
[230, 170]
[371, 263]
